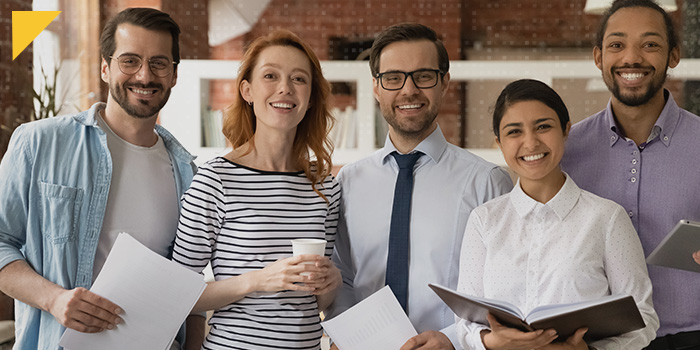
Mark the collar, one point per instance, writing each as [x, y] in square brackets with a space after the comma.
[665, 124]
[433, 146]
[88, 118]
[561, 204]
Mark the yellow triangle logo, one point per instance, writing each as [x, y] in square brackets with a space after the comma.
[26, 25]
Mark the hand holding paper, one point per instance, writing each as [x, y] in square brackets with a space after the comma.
[85, 311]
[155, 293]
[378, 322]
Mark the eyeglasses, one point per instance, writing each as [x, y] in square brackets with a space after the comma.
[131, 64]
[422, 78]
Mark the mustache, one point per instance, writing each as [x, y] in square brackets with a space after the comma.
[151, 85]
[635, 66]
[410, 102]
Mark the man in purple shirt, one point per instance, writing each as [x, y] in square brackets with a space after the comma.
[643, 151]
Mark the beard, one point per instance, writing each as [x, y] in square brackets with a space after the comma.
[141, 110]
[635, 100]
[413, 128]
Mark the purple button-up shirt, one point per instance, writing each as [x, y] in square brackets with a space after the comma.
[658, 186]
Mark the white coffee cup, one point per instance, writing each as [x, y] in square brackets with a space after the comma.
[313, 246]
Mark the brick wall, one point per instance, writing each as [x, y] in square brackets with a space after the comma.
[528, 23]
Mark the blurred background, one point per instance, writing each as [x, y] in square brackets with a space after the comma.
[490, 43]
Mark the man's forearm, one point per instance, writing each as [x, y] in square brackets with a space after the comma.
[194, 332]
[19, 281]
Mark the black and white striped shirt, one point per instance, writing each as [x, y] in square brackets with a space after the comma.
[242, 219]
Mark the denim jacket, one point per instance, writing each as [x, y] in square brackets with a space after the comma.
[54, 182]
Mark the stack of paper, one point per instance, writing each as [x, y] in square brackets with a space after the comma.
[378, 322]
[155, 293]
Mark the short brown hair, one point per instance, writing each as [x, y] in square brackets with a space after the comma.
[407, 32]
[143, 17]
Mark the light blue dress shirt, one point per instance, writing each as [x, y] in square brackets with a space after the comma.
[448, 183]
[55, 180]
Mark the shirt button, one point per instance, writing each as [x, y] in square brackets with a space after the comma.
[634, 161]
[612, 138]
[665, 138]
[635, 153]
[631, 214]
[634, 171]
[634, 179]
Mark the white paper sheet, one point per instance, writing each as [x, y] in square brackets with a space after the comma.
[155, 293]
[378, 322]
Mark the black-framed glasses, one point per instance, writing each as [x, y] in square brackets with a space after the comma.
[422, 78]
[131, 64]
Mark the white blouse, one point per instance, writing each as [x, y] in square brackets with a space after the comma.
[576, 247]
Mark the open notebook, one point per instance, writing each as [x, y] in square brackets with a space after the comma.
[604, 317]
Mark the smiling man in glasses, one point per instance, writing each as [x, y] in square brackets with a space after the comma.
[70, 184]
[404, 209]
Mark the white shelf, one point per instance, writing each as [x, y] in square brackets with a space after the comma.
[181, 115]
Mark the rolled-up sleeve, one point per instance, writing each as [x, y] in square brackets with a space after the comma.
[15, 177]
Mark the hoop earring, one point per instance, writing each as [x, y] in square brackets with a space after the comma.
[250, 103]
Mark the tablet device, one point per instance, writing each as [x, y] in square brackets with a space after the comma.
[676, 250]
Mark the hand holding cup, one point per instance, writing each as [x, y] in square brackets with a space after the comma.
[308, 246]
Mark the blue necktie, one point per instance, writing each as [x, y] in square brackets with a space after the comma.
[397, 261]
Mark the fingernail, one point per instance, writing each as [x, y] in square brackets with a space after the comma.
[109, 326]
[552, 332]
[117, 320]
[118, 311]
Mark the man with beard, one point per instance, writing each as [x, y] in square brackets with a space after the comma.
[642, 152]
[70, 184]
[406, 230]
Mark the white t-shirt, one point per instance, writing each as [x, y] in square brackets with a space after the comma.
[142, 197]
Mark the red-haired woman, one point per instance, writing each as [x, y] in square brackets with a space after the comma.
[244, 208]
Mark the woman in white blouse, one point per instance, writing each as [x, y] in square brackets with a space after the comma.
[547, 241]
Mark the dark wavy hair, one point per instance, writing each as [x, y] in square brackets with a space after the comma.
[312, 131]
[143, 17]
[528, 90]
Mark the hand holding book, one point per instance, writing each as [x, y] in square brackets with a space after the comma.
[504, 337]
[604, 317]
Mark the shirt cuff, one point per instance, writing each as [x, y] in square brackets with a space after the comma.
[9, 254]
[470, 334]
[451, 333]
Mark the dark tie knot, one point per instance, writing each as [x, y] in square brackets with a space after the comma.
[406, 161]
